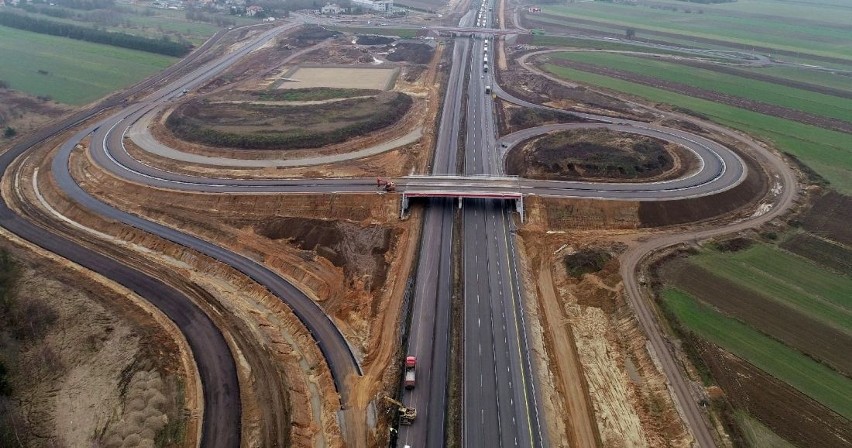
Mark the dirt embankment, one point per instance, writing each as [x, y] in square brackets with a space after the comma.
[668, 213]
[24, 114]
[353, 255]
[280, 369]
[600, 384]
[87, 365]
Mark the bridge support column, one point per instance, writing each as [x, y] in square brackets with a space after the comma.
[403, 206]
[460, 202]
[519, 206]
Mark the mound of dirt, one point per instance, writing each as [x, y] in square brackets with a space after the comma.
[359, 251]
[415, 53]
[591, 154]
[370, 39]
[313, 34]
[253, 125]
[586, 261]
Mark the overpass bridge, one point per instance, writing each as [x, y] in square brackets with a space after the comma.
[506, 188]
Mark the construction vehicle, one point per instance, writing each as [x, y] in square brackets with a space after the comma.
[410, 362]
[406, 414]
[385, 184]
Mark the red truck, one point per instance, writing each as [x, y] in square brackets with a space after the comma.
[410, 362]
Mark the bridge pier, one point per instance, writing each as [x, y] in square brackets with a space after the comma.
[403, 206]
[519, 207]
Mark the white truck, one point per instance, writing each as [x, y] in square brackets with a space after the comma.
[410, 363]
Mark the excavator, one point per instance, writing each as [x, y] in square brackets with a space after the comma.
[406, 415]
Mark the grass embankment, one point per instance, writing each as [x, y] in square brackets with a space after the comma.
[313, 94]
[260, 126]
[808, 376]
[738, 86]
[826, 152]
[69, 71]
[829, 39]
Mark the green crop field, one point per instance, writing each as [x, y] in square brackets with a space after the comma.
[766, 92]
[808, 376]
[776, 32]
[77, 72]
[787, 278]
[820, 78]
[826, 152]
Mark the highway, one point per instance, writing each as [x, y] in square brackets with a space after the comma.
[489, 278]
[500, 406]
[499, 392]
[429, 333]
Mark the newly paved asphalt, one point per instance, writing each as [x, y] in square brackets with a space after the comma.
[499, 399]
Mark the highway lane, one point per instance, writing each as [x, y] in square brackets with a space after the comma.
[428, 338]
[500, 408]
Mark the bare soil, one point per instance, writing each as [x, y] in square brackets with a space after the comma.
[830, 217]
[830, 254]
[412, 52]
[364, 299]
[25, 113]
[600, 155]
[593, 351]
[786, 411]
[105, 371]
[710, 95]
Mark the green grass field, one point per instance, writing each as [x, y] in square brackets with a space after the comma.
[826, 152]
[768, 31]
[787, 278]
[808, 376]
[827, 79]
[766, 92]
[78, 72]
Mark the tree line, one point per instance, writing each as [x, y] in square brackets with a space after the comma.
[163, 46]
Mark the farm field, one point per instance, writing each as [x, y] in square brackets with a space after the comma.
[808, 376]
[808, 332]
[77, 72]
[832, 39]
[827, 79]
[826, 152]
[787, 278]
[798, 99]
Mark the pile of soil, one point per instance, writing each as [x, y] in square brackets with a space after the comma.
[313, 34]
[373, 40]
[359, 251]
[277, 126]
[414, 53]
[591, 154]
